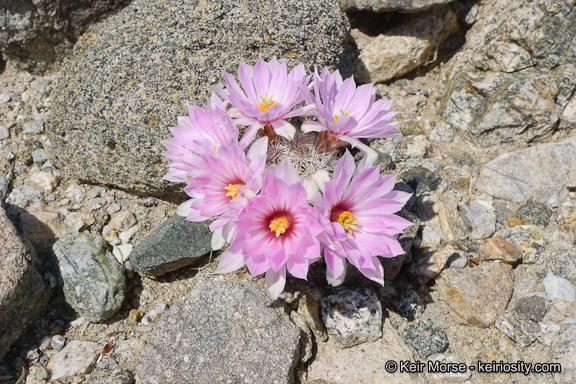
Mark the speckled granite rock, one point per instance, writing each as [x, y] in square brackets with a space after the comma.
[176, 243]
[518, 56]
[563, 352]
[94, 282]
[425, 337]
[37, 33]
[22, 291]
[221, 332]
[352, 316]
[130, 76]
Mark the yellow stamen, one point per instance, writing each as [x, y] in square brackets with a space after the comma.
[348, 221]
[279, 226]
[232, 190]
[267, 102]
[342, 113]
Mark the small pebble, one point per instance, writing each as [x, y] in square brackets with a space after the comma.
[4, 133]
[559, 288]
[32, 126]
[44, 181]
[123, 220]
[58, 342]
[39, 155]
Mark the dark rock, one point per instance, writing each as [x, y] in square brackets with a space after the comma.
[352, 317]
[533, 307]
[408, 305]
[113, 105]
[480, 219]
[393, 265]
[534, 213]
[36, 33]
[22, 290]
[421, 180]
[176, 243]
[222, 332]
[391, 5]
[93, 280]
[426, 338]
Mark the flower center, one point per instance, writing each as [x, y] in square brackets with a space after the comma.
[348, 221]
[267, 102]
[279, 225]
[232, 190]
[342, 113]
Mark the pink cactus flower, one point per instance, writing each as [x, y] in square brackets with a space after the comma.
[348, 112]
[221, 184]
[204, 128]
[357, 213]
[278, 231]
[269, 95]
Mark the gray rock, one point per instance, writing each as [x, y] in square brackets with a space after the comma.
[459, 259]
[538, 173]
[58, 342]
[176, 243]
[222, 332]
[39, 155]
[4, 133]
[421, 180]
[489, 106]
[503, 70]
[477, 294]
[559, 288]
[563, 352]
[120, 105]
[409, 305]
[425, 337]
[534, 213]
[116, 376]
[352, 316]
[37, 33]
[404, 47]
[22, 290]
[533, 306]
[93, 280]
[518, 328]
[22, 196]
[32, 127]
[557, 259]
[480, 220]
[390, 5]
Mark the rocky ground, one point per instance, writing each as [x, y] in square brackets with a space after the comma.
[487, 114]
